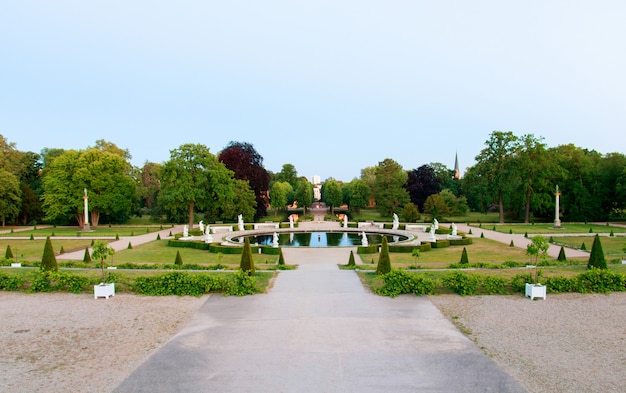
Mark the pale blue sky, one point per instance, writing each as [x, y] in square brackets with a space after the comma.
[329, 86]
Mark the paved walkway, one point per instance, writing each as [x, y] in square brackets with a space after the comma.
[319, 330]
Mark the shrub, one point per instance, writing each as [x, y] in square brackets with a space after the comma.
[461, 283]
[464, 260]
[87, 257]
[596, 259]
[8, 253]
[583, 247]
[511, 244]
[179, 259]
[41, 282]
[560, 284]
[398, 282]
[384, 261]
[130, 246]
[241, 284]
[158, 236]
[351, 261]
[494, 285]
[178, 283]
[561, 257]
[600, 281]
[519, 281]
[247, 263]
[10, 282]
[281, 259]
[48, 260]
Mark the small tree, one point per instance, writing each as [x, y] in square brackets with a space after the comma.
[48, 260]
[247, 263]
[9, 253]
[101, 251]
[538, 248]
[410, 212]
[561, 257]
[384, 261]
[87, 257]
[596, 259]
[351, 259]
[179, 259]
[464, 259]
[281, 259]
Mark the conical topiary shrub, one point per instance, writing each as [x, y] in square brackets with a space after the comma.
[526, 235]
[482, 235]
[179, 259]
[351, 261]
[48, 260]
[247, 264]
[590, 230]
[87, 256]
[512, 244]
[92, 241]
[583, 247]
[32, 237]
[158, 236]
[596, 259]
[561, 257]
[510, 231]
[8, 254]
[281, 259]
[117, 236]
[464, 260]
[130, 246]
[551, 240]
[470, 231]
[62, 250]
[384, 261]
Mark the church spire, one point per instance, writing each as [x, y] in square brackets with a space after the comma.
[457, 171]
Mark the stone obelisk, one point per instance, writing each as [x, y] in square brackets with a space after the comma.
[86, 221]
[557, 220]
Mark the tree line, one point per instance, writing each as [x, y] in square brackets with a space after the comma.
[513, 175]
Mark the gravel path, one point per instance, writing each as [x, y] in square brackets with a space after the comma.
[65, 342]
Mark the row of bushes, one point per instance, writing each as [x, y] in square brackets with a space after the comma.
[174, 283]
[426, 246]
[218, 248]
[399, 282]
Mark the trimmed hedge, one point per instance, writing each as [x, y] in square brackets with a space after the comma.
[440, 244]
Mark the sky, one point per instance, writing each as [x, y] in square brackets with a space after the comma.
[330, 87]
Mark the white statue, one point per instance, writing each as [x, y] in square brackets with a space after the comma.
[431, 235]
[240, 222]
[454, 229]
[186, 231]
[396, 223]
[208, 238]
[436, 223]
[201, 226]
[364, 241]
[291, 221]
[275, 240]
[345, 220]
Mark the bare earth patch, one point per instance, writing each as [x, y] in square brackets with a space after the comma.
[567, 343]
[75, 343]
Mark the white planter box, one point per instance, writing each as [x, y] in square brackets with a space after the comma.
[533, 291]
[16, 264]
[104, 290]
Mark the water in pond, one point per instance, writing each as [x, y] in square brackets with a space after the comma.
[322, 239]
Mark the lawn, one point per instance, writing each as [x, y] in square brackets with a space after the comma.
[32, 250]
[548, 228]
[613, 246]
[104, 231]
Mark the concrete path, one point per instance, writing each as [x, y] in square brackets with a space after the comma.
[319, 330]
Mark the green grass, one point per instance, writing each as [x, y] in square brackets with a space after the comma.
[103, 231]
[613, 247]
[32, 250]
[548, 228]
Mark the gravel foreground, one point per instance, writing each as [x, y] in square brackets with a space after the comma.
[63, 342]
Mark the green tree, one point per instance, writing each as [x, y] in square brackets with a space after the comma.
[8, 253]
[101, 251]
[389, 187]
[279, 195]
[351, 261]
[537, 248]
[193, 178]
[247, 263]
[10, 196]
[304, 193]
[86, 256]
[596, 258]
[464, 259]
[493, 163]
[288, 174]
[48, 260]
[436, 206]
[410, 212]
[384, 261]
[331, 194]
[359, 195]
[179, 259]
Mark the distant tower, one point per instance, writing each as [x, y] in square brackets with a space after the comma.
[457, 171]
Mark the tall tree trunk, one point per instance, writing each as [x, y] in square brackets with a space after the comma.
[95, 218]
[80, 217]
[527, 217]
[501, 208]
[191, 206]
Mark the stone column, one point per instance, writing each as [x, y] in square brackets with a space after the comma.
[86, 223]
[557, 220]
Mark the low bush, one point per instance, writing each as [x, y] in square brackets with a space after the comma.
[494, 285]
[462, 283]
[398, 282]
[11, 282]
[601, 281]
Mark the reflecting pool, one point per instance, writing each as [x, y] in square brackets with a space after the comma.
[321, 239]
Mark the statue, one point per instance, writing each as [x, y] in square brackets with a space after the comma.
[275, 240]
[396, 223]
[240, 222]
[345, 220]
[208, 238]
[454, 229]
[201, 225]
[364, 241]
[436, 223]
[207, 230]
[186, 231]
